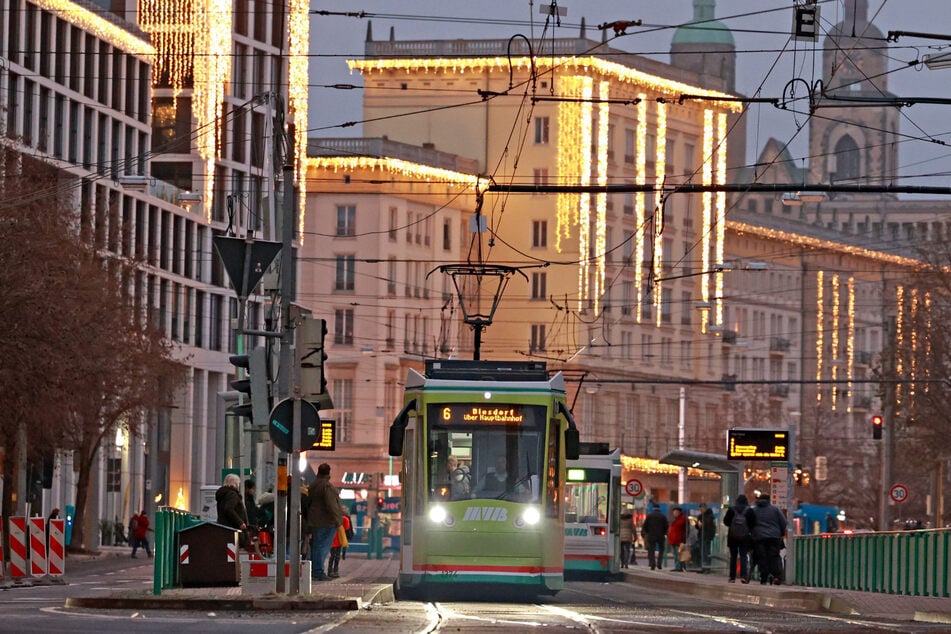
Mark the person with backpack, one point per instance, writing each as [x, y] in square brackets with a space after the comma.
[740, 520]
[768, 541]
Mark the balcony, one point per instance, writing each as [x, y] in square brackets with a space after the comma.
[779, 344]
[778, 391]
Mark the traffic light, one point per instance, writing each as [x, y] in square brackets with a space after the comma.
[313, 378]
[877, 424]
[254, 386]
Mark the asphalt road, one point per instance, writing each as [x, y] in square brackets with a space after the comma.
[584, 606]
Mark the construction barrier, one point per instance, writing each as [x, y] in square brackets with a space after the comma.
[258, 575]
[18, 547]
[56, 557]
[37, 547]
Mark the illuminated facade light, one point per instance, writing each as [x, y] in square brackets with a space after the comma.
[706, 211]
[100, 27]
[640, 213]
[721, 215]
[835, 338]
[661, 162]
[899, 338]
[601, 218]
[820, 329]
[396, 167]
[850, 341]
[298, 34]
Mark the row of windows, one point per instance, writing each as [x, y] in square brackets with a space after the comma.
[76, 59]
[39, 118]
[687, 149]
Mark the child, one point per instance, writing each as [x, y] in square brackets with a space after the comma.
[338, 550]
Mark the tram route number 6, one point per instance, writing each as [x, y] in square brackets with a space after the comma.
[634, 488]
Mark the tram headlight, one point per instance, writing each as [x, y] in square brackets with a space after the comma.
[437, 514]
[531, 516]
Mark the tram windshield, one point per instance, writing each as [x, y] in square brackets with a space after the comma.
[486, 451]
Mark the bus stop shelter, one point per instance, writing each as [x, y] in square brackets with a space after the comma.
[729, 471]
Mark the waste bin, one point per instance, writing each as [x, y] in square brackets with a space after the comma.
[208, 556]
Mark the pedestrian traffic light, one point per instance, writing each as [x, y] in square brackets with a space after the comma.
[313, 378]
[253, 386]
[877, 424]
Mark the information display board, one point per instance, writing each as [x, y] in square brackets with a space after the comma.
[757, 444]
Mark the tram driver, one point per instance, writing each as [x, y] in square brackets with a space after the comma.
[459, 479]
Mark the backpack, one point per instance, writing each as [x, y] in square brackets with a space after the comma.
[739, 528]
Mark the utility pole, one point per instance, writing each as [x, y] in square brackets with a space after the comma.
[888, 427]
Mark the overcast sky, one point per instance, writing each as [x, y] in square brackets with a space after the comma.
[760, 29]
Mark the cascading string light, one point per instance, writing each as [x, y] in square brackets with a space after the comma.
[820, 330]
[899, 339]
[570, 156]
[640, 213]
[298, 33]
[850, 341]
[721, 214]
[706, 211]
[661, 170]
[834, 369]
[601, 218]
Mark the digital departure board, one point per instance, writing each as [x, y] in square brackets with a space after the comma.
[757, 444]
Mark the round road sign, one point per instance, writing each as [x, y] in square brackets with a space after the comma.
[634, 488]
[898, 493]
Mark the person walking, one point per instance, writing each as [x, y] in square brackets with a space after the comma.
[768, 536]
[140, 533]
[740, 520]
[708, 531]
[677, 537]
[341, 541]
[323, 517]
[626, 537]
[654, 532]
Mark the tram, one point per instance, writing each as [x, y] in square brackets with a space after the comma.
[484, 445]
[593, 511]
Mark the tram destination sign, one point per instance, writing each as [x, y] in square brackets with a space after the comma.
[472, 414]
[757, 444]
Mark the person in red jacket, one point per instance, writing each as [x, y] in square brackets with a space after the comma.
[140, 533]
[677, 535]
[338, 550]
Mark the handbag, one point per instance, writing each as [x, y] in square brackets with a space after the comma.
[683, 553]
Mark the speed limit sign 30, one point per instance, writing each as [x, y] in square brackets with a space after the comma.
[634, 488]
[898, 493]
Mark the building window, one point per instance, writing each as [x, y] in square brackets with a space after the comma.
[391, 277]
[539, 284]
[394, 220]
[446, 235]
[540, 234]
[665, 305]
[343, 326]
[346, 220]
[847, 159]
[345, 273]
[686, 308]
[343, 408]
[647, 348]
[537, 342]
[540, 176]
[541, 130]
[630, 146]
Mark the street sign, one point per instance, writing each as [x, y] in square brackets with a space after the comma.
[757, 444]
[281, 423]
[779, 484]
[245, 260]
[634, 488]
[898, 493]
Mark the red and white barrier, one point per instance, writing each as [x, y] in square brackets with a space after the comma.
[37, 547]
[57, 550]
[232, 553]
[261, 574]
[17, 547]
[183, 555]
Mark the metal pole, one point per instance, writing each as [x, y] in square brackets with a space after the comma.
[280, 520]
[477, 341]
[888, 425]
[294, 501]
[681, 437]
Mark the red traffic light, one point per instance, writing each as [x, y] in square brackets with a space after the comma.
[877, 424]
[877, 420]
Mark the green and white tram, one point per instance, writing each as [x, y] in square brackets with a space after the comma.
[484, 446]
[593, 511]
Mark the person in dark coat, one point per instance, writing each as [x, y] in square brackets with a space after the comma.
[740, 546]
[250, 506]
[768, 540]
[324, 515]
[708, 531]
[231, 510]
[654, 532]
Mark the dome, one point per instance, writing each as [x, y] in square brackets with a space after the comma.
[709, 32]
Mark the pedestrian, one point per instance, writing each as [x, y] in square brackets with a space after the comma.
[654, 532]
[323, 517]
[140, 533]
[708, 531]
[338, 549]
[250, 506]
[626, 537]
[677, 539]
[740, 520]
[768, 536]
[231, 511]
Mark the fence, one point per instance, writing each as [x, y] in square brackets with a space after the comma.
[909, 562]
[168, 521]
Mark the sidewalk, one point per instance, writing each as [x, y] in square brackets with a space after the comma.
[716, 586]
[362, 582]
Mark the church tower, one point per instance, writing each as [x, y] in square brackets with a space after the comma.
[855, 143]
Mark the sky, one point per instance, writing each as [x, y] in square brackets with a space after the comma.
[766, 58]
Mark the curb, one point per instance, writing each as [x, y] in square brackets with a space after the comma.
[245, 604]
[932, 617]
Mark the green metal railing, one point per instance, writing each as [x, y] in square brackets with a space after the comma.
[908, 562]
[168, 521]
